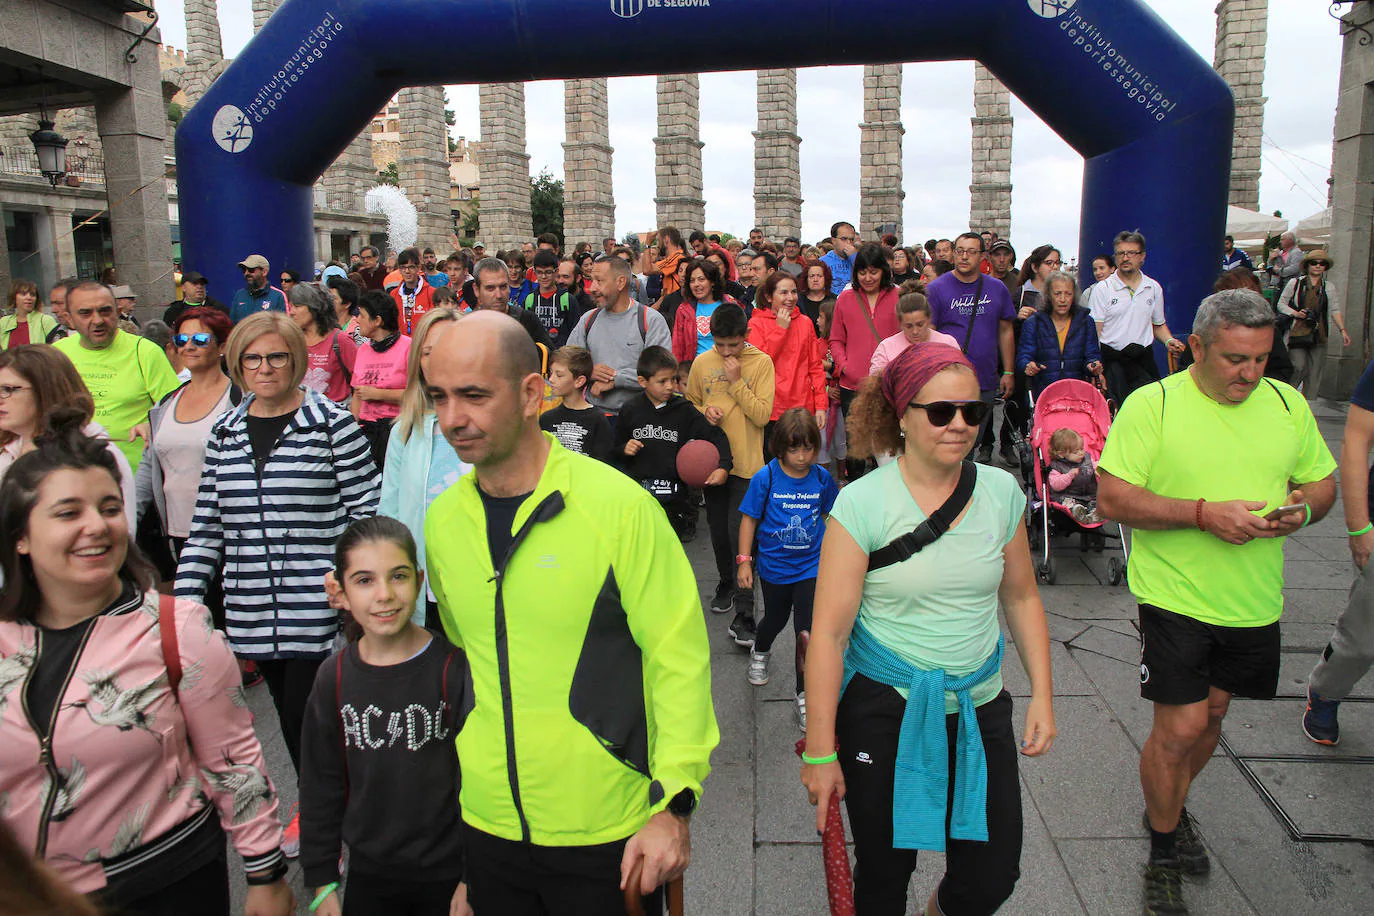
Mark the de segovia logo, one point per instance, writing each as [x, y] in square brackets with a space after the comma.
[231, 129]
[1051, 9]
[627, 9]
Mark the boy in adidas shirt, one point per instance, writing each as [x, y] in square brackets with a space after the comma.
[653, 426]
[575, 423]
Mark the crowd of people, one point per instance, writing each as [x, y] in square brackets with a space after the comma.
[437, 507]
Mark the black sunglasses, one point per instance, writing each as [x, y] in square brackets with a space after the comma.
[200, 340]
[1321, 263]
[941, 413]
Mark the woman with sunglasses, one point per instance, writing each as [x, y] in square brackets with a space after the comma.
[905, 658]
[1313, 302]
[179, 426]
[34, 381]
[286, 471]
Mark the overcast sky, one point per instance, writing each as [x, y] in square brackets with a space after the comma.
[1301, 83]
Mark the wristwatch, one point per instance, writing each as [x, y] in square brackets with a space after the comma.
[683, 803]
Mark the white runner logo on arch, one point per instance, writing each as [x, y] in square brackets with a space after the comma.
[231, 129]
[1051, 9]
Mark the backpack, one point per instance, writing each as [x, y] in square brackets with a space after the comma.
[643, 323]
[562, 300]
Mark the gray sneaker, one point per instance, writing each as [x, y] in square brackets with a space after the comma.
[758, 668]
[801, 710]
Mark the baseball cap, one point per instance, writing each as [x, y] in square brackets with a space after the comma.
[194, 276]
[253, 262]
[124, 292]
[1001, 244]
[333, 270]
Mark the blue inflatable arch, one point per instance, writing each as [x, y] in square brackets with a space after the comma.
[1151, 118]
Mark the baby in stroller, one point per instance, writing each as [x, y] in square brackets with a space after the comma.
[1073, 478]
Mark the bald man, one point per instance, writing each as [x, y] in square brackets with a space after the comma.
[563, 581]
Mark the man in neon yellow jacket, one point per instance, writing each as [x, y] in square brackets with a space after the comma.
[562, 579]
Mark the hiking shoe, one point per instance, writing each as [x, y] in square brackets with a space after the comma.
[1009, 456]
[724, 599]
[984, 455]
[801, 710]
[1319, 721]
[1164, 889]
[1190, 854]
[758, 668]
[742, 631]
[291, 836]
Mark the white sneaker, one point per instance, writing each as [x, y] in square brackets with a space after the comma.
[801, 710]
[758, 668]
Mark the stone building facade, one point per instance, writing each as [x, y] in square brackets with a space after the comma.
[777, 156]
[505, 167]
[990, 192]
[677, 153]
[880, 152]
[588, 199]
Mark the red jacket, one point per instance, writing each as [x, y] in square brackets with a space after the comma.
[852, 341]
[424, 301]
[685, 329]
[799, 380]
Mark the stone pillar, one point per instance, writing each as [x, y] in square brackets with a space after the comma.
[588, 196]
[423, 165]
[677, 154]
[202, 30]
[262, 11]
[880, 151]
[1352, 236]
[352, 174]
[777, 156]
[1242, 30]
[131, 124]
[504, 165]
[990, 192]
[63, 244]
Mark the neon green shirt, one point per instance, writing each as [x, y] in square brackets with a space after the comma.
[125, 379]
[1175, 441]
[939, 608]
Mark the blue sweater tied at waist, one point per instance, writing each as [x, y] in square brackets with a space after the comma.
[921, 792]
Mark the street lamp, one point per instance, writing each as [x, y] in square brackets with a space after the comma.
[51, 148]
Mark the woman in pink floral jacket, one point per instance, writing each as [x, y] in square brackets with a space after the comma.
[125, 755]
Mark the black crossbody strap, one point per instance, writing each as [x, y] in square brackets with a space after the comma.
[972, 317]
[926, 533]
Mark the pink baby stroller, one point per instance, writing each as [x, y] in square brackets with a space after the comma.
[1081, 407]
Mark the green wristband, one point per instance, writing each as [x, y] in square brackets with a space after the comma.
[324, 893]
[1365, 530]
[1308, 520]
[817, 761]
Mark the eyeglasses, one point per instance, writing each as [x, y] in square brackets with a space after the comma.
[1121, 253]
[968, 252]
[200, 340]
[253, 361]
[941, 413]
[1048, 262]
[7, 391]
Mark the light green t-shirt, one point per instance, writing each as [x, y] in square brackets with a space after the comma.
[1175, 441]
[125, 379]
[939, 608]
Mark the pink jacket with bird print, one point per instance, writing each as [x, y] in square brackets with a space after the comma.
[129, 769]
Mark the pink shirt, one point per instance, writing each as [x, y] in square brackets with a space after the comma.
[381, 370]
[326, 371]
[893, 346]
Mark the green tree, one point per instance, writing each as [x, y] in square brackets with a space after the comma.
[631, 241]
[390, 175]
[546, 204]
[451, 120]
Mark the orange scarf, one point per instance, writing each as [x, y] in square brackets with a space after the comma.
[667, 268]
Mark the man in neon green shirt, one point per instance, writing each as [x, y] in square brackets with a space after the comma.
[1200, 465]
[562, 580]
[125, 373]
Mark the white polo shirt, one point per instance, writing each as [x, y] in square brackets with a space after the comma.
[1127, 316]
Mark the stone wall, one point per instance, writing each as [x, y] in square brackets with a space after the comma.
[1242, 31]
[880, 151]
[677, 154]
[990, 192]
[588, 198]
[777, 156]
[505, 210]
[423, 165]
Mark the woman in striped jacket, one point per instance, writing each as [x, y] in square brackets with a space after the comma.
[285, 473]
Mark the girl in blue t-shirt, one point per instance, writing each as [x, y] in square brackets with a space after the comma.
[786, 506]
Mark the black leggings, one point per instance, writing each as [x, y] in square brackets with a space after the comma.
[378, 434]
[979, 877]
[369, 895]
[204, 892]
[780, 602]
[289, 681]
[520, 879]
[722, 517]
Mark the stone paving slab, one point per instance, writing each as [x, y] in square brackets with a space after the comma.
[1069, 679]
[1107, 875]
[1330, 798]
[1089, 602]
[1118, 685]
[1274, 728]
[1111, 643]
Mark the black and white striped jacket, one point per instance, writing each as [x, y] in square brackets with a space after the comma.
[273, 534]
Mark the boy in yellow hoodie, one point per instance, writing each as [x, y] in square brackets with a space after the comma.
[732, 384]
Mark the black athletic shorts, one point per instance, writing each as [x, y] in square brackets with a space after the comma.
[1182, 657]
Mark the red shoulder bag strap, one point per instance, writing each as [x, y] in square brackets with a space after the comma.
[171, 652]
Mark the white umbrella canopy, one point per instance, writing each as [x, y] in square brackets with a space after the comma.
[1248, 225]
[1315, 229]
